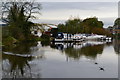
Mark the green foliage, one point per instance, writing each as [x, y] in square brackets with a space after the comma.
[117, 22]
[117, 36]
[45, 37]
[19, 13]
[17, 33]
[5, 32]
[71, 26]
[61, 28]
[45, 40]
[45, 43]
[18, 26]
[88, 25]
[93, 22]
[116, 26]
[9, 41]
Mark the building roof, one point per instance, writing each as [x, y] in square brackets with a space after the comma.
[52, 26]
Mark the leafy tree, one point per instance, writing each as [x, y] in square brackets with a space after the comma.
[61, 28]
[117, 22]
[117, 26]
[74, 25]
[71, 26]
[90, 23]
[100, 31]
[17, 15]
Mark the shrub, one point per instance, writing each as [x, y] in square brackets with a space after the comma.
[45, 37]
[9, 41]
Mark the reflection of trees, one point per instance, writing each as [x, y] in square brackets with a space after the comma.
[88, 51]
[57, 46]
[92, 51]
[18, 64]
[117, 45]
[45, 43]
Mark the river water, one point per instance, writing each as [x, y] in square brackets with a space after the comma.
[89, 59]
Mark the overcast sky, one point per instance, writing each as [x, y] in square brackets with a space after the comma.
[59, 12]
[77, 0]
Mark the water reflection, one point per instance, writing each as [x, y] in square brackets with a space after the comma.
[117, 45]
[16, 60]
[89, 49]
[16, 64]
[22, 61]
[45, 43]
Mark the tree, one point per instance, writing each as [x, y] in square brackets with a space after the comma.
[18, 14]
[71, 26]
[117, 22]
[17, 9]
[90, 23]
[116, 27]
[61, 28]
[74, 25]
[100, 31]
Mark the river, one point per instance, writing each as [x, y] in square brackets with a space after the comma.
[88, 59]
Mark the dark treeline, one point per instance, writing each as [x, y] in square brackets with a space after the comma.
[88, 25]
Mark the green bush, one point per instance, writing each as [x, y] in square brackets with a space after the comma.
[45, 37]
[33, 38]
[9, 41]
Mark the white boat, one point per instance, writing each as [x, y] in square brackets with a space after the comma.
[95, 37]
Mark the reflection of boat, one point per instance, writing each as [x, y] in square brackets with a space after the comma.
[106, 38]
[62, 45]
[89, 49]
[95, 42]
